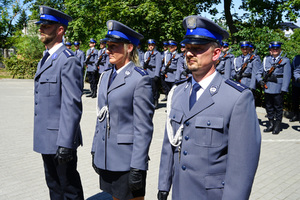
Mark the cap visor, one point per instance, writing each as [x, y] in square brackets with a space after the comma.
[46, 22]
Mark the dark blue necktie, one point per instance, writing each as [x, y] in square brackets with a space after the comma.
[112, 77]
[193, 97]
[45, 58]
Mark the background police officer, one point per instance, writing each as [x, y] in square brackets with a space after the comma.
[225, 61]
[152, 65]
[79, 53]
[296, 88]
[102, 59]
[212, 140]
[58, 108]
[91, 58]
[69, 45]
[275, 77]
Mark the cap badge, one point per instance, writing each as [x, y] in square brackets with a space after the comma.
[191, 23]
[110, 25]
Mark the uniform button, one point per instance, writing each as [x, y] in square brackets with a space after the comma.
[104, 126]
[208, 123]
[36, 92]
[35, 114]
[187, 123]
[173, 116]
[223, 183]
[183, 167]
[35, 103]
[186, 137]
[103, 138]
[185, 153]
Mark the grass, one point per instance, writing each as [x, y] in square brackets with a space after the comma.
[4, 73]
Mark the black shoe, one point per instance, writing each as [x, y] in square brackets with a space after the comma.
[90, 95]
[276, 127]
[294, 118]
[270, 127]
[94, 95]
[156, 104]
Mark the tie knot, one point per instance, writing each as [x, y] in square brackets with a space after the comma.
[196, 87]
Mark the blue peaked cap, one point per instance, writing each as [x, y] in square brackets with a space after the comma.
[151, 41]
[275, 44]
[52, 16]
[200, 30]
[68, 44]
[76, 43]
[245, 44]
[118, 32]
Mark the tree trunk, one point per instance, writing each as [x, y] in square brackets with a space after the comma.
[229, 20]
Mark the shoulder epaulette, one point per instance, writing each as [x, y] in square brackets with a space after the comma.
[181, 81]
[68, 53]
[238, 86]
[141, 71]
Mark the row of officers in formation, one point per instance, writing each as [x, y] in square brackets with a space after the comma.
[165, 68]
[211, 143]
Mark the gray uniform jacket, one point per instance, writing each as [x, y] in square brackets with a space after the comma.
[220, 143]
[296, 70]
[58, 107]
[103, 65]
[154, 66]
[225, 65]
[130, 104]
[281, 75]
[249, 75]
[181, 66]
[141, 57]
[171, 74]
[91, 64]
[80, 55]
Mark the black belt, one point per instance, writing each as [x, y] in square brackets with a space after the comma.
[279, 76]
[171, 70]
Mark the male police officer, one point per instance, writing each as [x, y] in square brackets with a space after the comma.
[58, 108]
[182, 71]
[170, 66]
[69, 45]
[245, 66]
[141, 55]
[296, 88]
[225, 61]
[275, 76]
[152, 65]
[212, 140]
[91, 58]
[102, 60]
[79, 53]
[162, 78]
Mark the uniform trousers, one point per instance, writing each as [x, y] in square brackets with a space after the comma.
[295, 99]
[274, 106]
[93, 80]
[169, 86]
[155, 91]
[62, 180]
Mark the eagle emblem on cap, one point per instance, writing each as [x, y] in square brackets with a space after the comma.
[41, 10]
[191, 22]
[110, 25]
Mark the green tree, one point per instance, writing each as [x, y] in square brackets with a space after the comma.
[22, 21]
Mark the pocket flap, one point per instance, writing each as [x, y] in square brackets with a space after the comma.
[214, 181]
[176, 116]
[209, 122]
[124, 138]
[53, 124]
[48, 79]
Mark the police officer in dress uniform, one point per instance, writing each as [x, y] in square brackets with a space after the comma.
[91, 59]
[245, 66]
[69, 45]
[79, 53]
[296, 88]
[152, 65]
[211, 147]
[102, 60]
[182, 71]
[276, 83]
[58, 108]
[162, 77]
[170, 65]
[141, 55]
[124, 124]
[225, 61]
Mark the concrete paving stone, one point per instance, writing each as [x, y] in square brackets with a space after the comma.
[22, 174]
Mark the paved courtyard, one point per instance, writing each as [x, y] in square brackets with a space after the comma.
[21, 169]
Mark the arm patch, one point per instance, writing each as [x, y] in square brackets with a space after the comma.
[141, 71]
[238, 86]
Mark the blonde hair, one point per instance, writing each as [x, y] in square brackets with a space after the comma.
[133, 55]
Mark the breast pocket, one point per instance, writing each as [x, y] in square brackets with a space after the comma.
[48, 86]
[209, 131]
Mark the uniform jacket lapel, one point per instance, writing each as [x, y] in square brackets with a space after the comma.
[206, 99]
[121, 77]
[49, 62]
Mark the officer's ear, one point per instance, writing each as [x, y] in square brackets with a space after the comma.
[216, 53]
[129, 48]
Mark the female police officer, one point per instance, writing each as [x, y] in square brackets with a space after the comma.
[124, 117]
